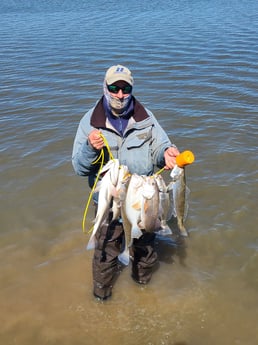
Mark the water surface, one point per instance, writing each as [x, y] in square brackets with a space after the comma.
[195, 66]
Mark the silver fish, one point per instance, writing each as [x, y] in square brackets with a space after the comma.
[164, 205]
[131, 212]
[119, 192]
[139, 211]
[179, 190]
[106, 191]
[150, 204]
[132, 204]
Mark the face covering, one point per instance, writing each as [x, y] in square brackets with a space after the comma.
[117, 106]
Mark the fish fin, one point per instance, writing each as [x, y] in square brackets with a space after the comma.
[145, 206]
[136, 233]
[124, 257]
[92, 242]
[114, 191]
[97, 188]
[140, 225]
[165, 231]
[137, 205]
[183, 231]
[169, 187]
[165, 228]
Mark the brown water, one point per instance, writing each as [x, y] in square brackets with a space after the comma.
[195, 66]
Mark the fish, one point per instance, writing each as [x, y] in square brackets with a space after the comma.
[139, 210]
[179, 195]
[132, 204]
[130, 213]
[106, 191]
[119, 192]
[150, 204]
[164, 205]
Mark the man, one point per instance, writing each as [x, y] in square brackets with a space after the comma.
[137, 140]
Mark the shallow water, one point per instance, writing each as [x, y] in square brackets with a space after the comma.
[195, 66]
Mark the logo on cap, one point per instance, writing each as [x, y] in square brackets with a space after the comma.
[119, 69]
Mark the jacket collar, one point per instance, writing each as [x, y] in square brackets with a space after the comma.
[98, 117]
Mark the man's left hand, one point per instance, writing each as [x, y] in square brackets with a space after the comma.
[170, 157]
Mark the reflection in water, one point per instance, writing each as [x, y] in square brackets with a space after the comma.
[168, 247]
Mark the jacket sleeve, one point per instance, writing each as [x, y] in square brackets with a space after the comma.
[83, 153]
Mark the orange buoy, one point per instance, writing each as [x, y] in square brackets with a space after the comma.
[185, 158]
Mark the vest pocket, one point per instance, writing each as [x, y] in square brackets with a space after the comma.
[139, 139]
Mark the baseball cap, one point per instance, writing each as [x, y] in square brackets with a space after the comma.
[118, 72]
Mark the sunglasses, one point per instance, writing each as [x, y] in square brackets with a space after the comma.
[115, 89]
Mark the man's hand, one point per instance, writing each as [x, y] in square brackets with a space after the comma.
[170, 157]
[95, 139]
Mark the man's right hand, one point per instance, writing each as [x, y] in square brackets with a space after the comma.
[96, 140]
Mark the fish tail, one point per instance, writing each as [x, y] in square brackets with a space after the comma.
[124, 257]
[165, 229]
[92, 242]
[136, 232]
[183, 231]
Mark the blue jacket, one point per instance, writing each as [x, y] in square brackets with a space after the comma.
[141, 147]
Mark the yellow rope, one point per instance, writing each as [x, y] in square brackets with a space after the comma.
[107, 146]
[101, 156]
[160, 171]
[92, 190]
